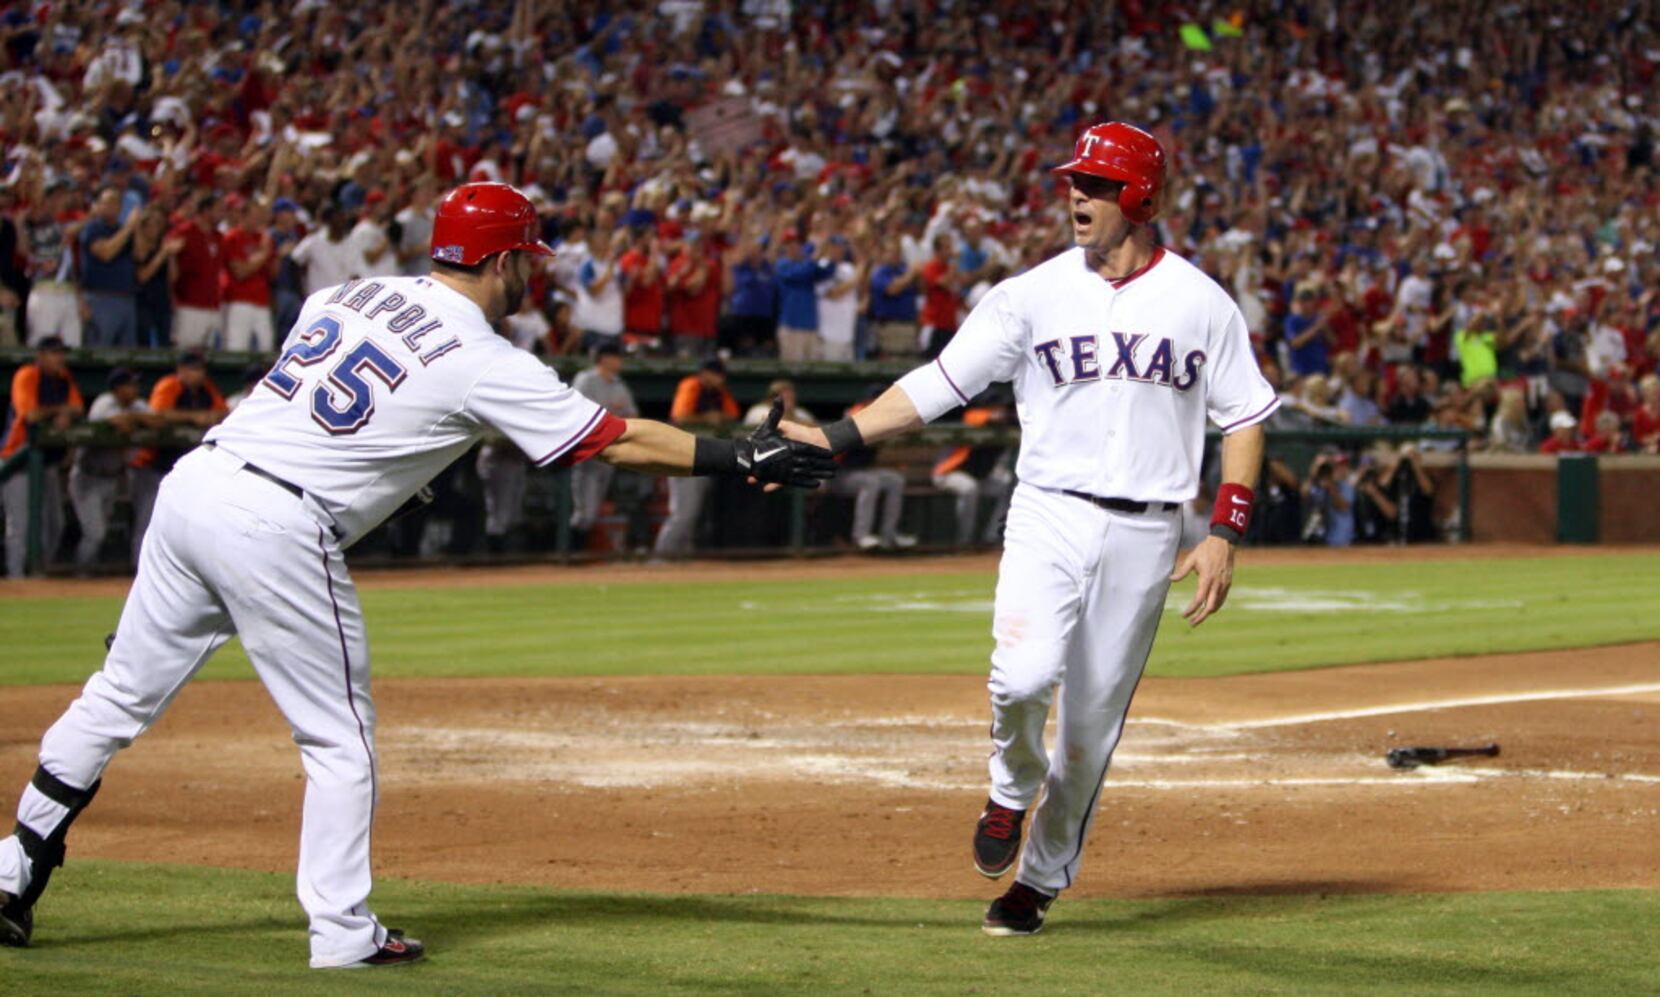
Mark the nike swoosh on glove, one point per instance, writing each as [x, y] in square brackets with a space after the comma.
[768, 457]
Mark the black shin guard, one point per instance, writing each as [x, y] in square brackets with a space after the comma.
[46, 853]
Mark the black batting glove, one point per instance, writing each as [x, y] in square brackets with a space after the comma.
[768, 457]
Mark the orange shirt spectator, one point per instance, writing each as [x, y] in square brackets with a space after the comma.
[40, 390]
[702, 398]
[980, 415]
[184, 396]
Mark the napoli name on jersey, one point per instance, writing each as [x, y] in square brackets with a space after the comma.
[412, 370]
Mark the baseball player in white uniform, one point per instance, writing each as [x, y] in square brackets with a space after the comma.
[1118, 351]
[382, 382]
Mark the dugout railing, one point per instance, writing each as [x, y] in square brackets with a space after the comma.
[739, 522]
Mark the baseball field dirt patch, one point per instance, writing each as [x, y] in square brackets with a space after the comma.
[870, 785]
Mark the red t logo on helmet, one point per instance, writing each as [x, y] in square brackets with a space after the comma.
[1125, 153]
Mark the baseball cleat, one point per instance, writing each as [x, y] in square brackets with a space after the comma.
[1017, 912]
[997, 839]
[17, 922]
[398, 951]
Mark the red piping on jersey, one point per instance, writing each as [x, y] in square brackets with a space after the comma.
[948, 380]
[1119, 282]
[1271, 406]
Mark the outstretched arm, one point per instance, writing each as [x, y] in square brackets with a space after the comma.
[763, 457]
[1213, 556]
[891, 414]
[652, 447]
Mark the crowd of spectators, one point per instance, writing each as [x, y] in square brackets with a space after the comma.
[1436, 214]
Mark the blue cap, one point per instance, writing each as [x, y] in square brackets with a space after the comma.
[284, 204]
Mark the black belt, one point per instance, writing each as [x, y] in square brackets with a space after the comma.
[1122, 505]
[287, 486]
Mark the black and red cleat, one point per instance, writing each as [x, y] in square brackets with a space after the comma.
[997, 839]
[398, 951]
[17, 922]
[1020, 911]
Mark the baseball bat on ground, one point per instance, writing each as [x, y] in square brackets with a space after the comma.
[1410, 758]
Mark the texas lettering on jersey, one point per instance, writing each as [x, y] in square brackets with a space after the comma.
[1080, 360]
[1114, 380]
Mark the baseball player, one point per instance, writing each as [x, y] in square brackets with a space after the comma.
[380, 385]
[1118, 351]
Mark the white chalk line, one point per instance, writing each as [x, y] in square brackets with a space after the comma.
[1416, 778]
[1419, 707]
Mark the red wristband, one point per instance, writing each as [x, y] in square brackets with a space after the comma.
[1233, 509]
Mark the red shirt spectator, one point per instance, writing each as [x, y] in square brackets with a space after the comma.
[939, 295]
[197, 285]
[642, 272]
[1563, 437]
[1645, 429]
[242, 244]
[1597, 443]
[694, 295]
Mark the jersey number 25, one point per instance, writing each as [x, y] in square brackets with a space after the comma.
[345, 382]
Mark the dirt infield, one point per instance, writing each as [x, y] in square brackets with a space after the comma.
[838, 566]
[865, 786]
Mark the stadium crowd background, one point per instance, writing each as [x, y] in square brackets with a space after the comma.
[1431, 214]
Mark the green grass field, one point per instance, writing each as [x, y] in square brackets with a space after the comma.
[133, 929]
[1279, 617]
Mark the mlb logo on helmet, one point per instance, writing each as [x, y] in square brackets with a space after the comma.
[476, 220]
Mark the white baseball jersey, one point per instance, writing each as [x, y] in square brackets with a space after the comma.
[1113, 379]
[382, 383]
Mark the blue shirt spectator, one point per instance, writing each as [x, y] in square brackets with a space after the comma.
[117, 275]
[754, 290]
[797, 296]
[1334, 504]
[1310, 357]
[885, 307]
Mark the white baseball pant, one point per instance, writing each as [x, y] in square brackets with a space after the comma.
[967, 490]
[1079, 594]
[678, 534]
[93, 496]
[54, 309]
[197, 328]
[14, 496]
[248, 327]
[865, 486]
[590, 483]
[230, 553]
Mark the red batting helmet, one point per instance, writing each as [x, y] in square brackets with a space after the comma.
[477, 219]
[1116, 151]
